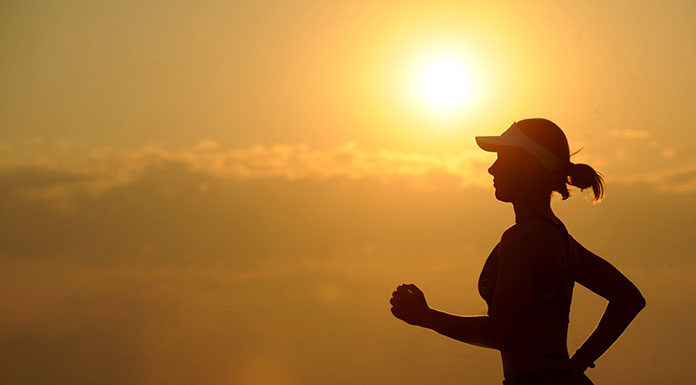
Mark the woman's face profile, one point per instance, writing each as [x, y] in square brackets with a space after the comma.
[514, 173]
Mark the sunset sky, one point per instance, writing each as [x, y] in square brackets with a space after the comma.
[227, 192]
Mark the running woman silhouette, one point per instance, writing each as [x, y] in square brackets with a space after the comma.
[528, 278]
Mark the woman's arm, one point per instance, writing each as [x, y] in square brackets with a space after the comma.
[410, 306]
[475, 330]
[625, 302]
[520, 248]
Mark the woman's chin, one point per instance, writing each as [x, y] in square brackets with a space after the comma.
[499, 195]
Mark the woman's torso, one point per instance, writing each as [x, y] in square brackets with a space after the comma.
[546, 328]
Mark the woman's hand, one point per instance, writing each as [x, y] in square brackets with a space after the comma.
[409, 305]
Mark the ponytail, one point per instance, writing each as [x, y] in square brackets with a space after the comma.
[583, 176]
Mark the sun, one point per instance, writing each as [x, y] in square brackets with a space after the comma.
[442, 85]
[445, 82]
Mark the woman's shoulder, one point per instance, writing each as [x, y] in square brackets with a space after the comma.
[534, 238]
[530, 230]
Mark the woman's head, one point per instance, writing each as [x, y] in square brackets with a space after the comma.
[534, 158]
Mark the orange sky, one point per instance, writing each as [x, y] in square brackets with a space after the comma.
[228, 192]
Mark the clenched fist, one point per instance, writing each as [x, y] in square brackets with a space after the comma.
[409, 305]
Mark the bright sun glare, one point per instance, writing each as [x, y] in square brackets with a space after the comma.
[445, 83]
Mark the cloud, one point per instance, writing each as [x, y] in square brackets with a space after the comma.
[678, 180]
[630, 134]
[103, 169]
[664, 150]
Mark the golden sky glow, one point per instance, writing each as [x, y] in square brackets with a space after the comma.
[227, 192]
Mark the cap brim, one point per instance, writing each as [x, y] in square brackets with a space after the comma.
[491, 143]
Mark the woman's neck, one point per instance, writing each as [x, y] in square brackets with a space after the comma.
[527, 208]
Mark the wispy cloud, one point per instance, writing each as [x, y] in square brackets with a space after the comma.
[630, 134]
[664, 150]
[103, 169]
[680, 179]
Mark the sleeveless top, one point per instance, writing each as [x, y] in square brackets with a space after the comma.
[552, 297]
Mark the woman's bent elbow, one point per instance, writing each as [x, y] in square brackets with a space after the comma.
[631, 303]
[636, 303]
[641, 303]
